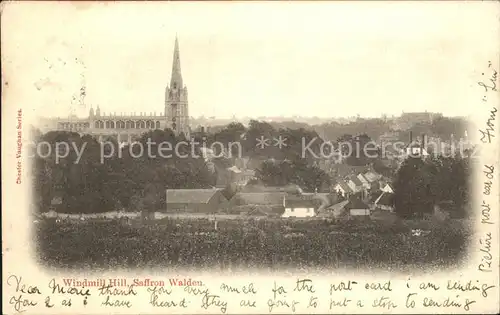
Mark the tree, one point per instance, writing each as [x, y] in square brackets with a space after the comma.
[359, 150]
[87, 185]
[309, 178]
[420, 184]
[414, 185]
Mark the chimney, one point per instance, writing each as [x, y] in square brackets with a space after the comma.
[411, 137]
[422, 142]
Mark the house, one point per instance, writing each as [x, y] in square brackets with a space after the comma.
[246, 176]
[292, 189]
[342, 188]
[372, 176]
[257, 198]
[416, 148]
[389, 137]
[385, 202]
[354, 183]
[357, 208]
[239, 176]
[195, 200]
[241, 162]
[234, 169]
[336, 156]
[390, 154]
[335, 211]
[207, 154]
[388, 188]
[342, 170]
[298, 207]
[364, 181]
[255, 163]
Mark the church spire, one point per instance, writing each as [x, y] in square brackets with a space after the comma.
[176, 80]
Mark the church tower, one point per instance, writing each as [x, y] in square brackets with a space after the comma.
[176, 98]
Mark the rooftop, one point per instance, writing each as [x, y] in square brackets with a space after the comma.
[344, 186]
[190, 195]
[355, 180]
[300, 202]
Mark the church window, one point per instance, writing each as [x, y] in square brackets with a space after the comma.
[129, 124]
[157, 125]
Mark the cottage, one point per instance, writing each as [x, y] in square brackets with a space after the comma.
[342, 188]
[246, 176]
[292, 189]
[385, 201]
[207, 154]
[388, 188]
[298, 207]
[343, 170]
[257, 198]
[372, 176]
[195, 200]
[364, 181]
[357, 208]
[241, 162]
[416, 148]
[354, 183]
[335, 211]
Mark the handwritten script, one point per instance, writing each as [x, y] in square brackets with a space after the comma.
[489, 86]
[280, 296]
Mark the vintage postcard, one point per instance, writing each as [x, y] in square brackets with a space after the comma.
[250, 157]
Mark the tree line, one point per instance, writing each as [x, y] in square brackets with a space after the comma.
[129, 182]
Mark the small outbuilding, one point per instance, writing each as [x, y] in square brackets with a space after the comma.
[195, 200]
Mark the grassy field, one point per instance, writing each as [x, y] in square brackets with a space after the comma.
[187, 243]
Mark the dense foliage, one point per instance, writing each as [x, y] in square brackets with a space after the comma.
[422, 183]
[265, 244]
[124, 180]
[109, 177]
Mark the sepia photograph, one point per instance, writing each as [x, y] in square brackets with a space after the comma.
[293, 150]
[298, 138]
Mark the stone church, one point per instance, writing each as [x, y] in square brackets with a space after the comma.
[126, 128]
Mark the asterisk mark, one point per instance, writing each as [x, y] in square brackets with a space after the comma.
[280, 142]
[262, 142]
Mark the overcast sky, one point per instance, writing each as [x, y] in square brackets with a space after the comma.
[251, 59]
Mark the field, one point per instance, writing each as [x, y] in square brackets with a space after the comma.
[181, 243]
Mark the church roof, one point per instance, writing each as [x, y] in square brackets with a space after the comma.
[176, 78]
